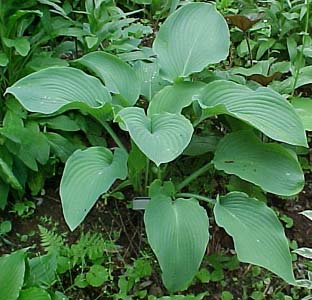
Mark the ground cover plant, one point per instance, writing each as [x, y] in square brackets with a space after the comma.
[179, 104]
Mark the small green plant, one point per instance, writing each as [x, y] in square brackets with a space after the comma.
[87, 262]
[24, 278]
[5, 227]
[24, 209]
[254, 128]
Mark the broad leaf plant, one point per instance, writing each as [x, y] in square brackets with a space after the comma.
[159, 104]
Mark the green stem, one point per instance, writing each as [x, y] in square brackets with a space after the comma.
[193, 176]
[111, 133]
[306, 29]
[146, 174]
[198, 197]
[197, 122]
[247, 37]
[159, 173]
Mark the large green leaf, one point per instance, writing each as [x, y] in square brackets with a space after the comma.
[303, 107]
[271, 166]
[42, 270]
[263, 108]
[258, 235]
[12, 271]
[49, 90]
[118, 76]
[174, 98]
[34, 293]
[190, 39]
[87, 175]
[161, 137]
[178, 234]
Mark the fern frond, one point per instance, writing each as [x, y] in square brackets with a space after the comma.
[50, 241]
[90, 246]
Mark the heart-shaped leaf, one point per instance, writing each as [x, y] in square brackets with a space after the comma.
[258, 235]
[178, 234]
[21, 45]
[174, 98]
[97, 275]
[87, 175]
[190, 39]
[49, 90]
[271, 166]
[161, 137]
[263, 108]
[118, 76]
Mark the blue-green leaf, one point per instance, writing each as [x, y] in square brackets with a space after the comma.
[258, 235]
[190, 39]
[87, 175]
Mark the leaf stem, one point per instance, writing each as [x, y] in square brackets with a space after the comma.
[159, 173]
[249, 48]
[113, 135]
[146, 174]
[197, 122]
[111, 132]
[193, 176]
[196, 196]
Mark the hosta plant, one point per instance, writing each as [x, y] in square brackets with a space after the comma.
[160, 107]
